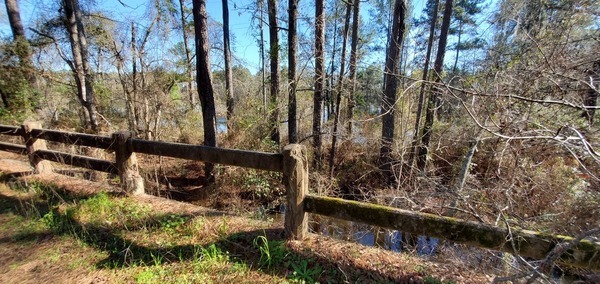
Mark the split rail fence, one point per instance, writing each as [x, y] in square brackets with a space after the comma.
[293, 163]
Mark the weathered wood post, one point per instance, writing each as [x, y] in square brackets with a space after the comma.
[126, 164]
[295, 176]
[33, 144]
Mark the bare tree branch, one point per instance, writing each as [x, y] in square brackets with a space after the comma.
[60, 52]
[557, 252]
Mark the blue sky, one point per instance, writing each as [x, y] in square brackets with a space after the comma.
[245, 44]
[240, 21]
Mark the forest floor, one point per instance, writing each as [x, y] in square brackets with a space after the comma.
[60, 229]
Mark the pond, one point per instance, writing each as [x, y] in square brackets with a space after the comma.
[221, 125]
[397, 241]
[367, 235]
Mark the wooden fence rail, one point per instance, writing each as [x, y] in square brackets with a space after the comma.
[11, 130]
[231, 157]
[293, 163]
[77, 161]
[13, 148]
[523, 242]
[72, 138]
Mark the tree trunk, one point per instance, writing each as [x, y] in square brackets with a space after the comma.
[134, 82]
[87, 71]
[146, 111]
[329, 101]
[319, 80]
[204, 80]
[129, 102]
[460, 25]
[292, 58]
[14, 19]
[262, 57]
[228, 76]
[188, 58]
[404, 64]
[23, 49]
[392, 65]
[16, 26]
[339, 90]
[433, 101]
[461, 179]
[466, 165]
[353, 61]
[83, 76]
[591, 97]
[416, 137]
[134, 93]
[5, 99]
[274, 54]
[71, 25]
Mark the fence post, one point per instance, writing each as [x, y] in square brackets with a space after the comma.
[33, 144]
[126, 164]
[295, 176]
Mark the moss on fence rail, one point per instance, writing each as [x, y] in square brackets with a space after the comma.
[584, 254]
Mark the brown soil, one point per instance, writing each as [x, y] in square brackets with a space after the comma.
[50, 259]
[41, 261]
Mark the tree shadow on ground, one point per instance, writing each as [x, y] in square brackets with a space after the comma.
[7, 177]
[244, 247]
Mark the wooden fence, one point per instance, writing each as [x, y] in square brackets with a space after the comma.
[293, 163]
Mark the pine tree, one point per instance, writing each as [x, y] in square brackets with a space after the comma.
[392, 64]
[204, 81]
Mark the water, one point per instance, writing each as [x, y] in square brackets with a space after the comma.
[498, 262]
[221, 125]
[364, 234]
[371, 236]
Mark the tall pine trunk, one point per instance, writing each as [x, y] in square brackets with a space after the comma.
[292, 58]
[329, 99]
[204, 80]
[416, 138]
[353, 61]
[274, 55]
[228, 76]
[392, 65]
[433, 101]
[263, 68]
[188, 58]
[339, 90]
[319, 80]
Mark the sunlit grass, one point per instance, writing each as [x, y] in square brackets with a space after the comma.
[125, 240]
[135, 242]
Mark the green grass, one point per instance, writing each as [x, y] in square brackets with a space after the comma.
[130, 239]
[127, 241]
[271, 252]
